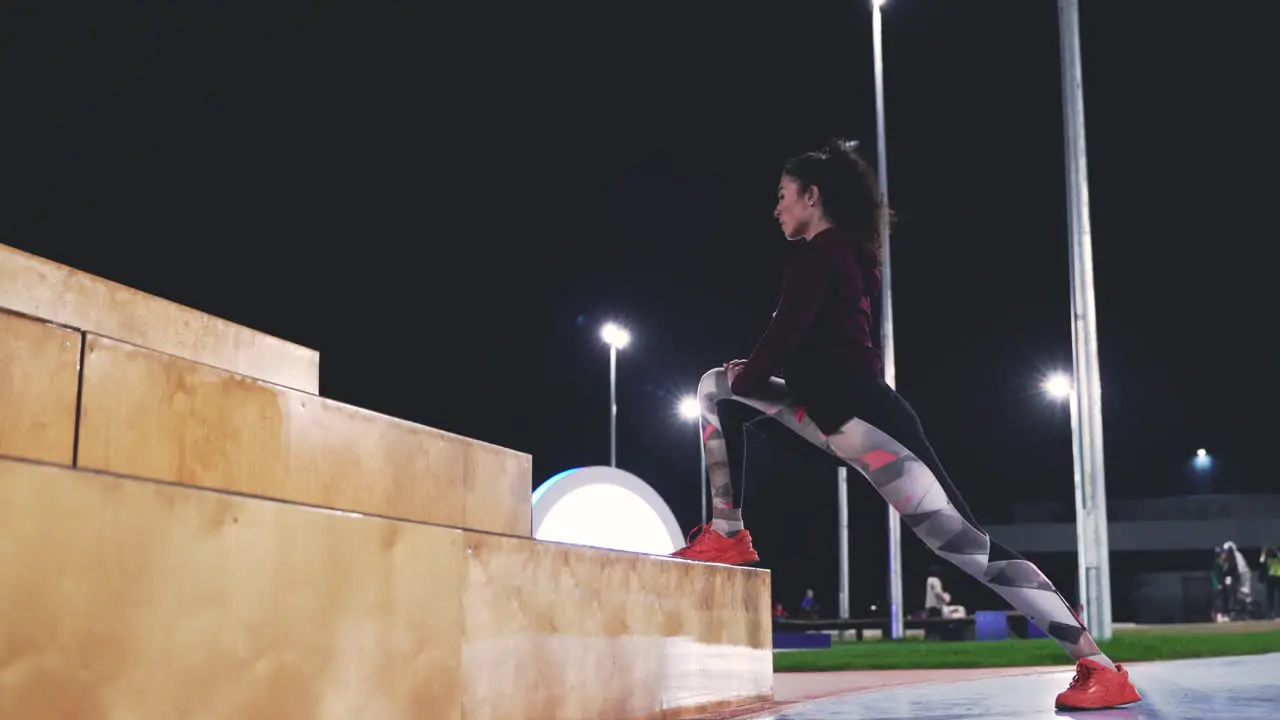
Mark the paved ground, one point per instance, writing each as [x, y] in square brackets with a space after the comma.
[792, 689]
[1239, 688]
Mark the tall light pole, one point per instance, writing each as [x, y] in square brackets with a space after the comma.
[617, 338]
[1091, 511]
[691, 410]
[896, 629]
[1060, 387]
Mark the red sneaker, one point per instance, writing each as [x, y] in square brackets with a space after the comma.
[1097, 687]
[711, 546]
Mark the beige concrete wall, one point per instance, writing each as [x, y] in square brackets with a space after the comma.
[47, 290]
[152, 415]
[126, 598]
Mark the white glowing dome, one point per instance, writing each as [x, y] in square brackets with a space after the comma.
[607, 508]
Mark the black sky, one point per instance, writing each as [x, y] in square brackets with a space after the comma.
[448, 203]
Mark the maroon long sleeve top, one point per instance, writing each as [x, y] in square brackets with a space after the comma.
[821, 331]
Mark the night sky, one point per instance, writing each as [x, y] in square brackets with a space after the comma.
[447, 204]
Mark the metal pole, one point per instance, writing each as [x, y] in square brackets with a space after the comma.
[1091, 511]
[886, 312]
[1077, 465]
[702, 468]
[613, 405]
[842, 514]
[886, 320]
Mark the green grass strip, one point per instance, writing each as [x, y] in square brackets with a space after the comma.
[912, 654]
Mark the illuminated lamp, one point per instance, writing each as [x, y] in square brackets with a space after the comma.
[604, 507]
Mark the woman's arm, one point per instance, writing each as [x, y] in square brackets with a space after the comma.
[803, 287]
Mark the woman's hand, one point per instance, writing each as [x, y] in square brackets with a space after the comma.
[733, 368]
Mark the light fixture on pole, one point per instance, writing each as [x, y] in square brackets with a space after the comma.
[688, 408]
[1202, 461]
[1057, 386]
[617, 338]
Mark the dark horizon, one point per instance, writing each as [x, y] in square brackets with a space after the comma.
[447, 207]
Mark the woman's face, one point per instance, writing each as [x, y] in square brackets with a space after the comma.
[795, 210]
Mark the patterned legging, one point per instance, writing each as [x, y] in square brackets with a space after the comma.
[885, 442]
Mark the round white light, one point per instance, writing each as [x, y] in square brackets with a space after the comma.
[615, 335]
[1057, 385]
[607, 508]
[689, 408]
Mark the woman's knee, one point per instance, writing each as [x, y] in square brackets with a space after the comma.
[714, 382]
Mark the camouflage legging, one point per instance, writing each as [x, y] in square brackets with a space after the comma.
[885, 443]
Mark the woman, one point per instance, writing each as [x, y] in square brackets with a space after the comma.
[830, 207]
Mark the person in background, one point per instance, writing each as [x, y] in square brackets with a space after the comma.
[1271, 565]
[1240, 577]
[1220, 584]
[810, 605]
[1217, 586]
[937, 601]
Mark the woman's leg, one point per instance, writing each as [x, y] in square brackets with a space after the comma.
[725, 417]
[887, 444]
[895, 456]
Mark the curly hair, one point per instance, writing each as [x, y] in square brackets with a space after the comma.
[851, 196]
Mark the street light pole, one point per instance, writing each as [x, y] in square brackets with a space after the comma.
[702, 469]
[1060, 387]
[1091, 506]
[1077, 478]
[842, 521]
[896, 628]
[690, 409]
[617, 338]
[613, 405]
